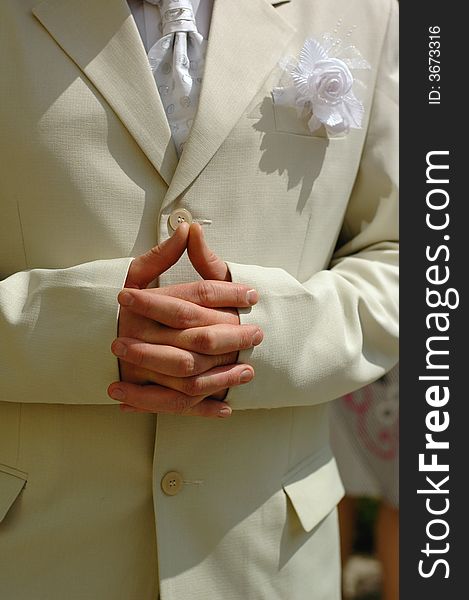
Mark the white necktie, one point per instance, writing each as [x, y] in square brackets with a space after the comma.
[177, 62]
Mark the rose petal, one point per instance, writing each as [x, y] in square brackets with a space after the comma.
[335, 118]
[355, 110]
[322, 111]
[339, 129]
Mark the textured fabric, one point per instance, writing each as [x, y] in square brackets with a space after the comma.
[87, 502]
[88, 177]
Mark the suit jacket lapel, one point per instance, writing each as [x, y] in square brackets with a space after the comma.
[102, 39]
[246, 40]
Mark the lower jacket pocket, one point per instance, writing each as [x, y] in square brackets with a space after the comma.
[12, 482]
[314, 488]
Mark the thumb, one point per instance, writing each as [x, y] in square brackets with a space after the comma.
[149, 266]
[205, 262]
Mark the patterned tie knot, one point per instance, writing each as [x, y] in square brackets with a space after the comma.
[177, 15]
[181, 14]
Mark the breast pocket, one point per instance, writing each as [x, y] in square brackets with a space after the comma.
[287, 120]
[314, 488]
[273, 117]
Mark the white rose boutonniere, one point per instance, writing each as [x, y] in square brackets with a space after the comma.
[320, 85]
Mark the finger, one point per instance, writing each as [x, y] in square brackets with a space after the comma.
[149, 266]
[212, 339]
[167, 359]
[209, 383]
[158, 399]
[212, 294]
[173, 312]
[205, 262]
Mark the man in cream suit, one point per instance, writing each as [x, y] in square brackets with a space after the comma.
[296, 232]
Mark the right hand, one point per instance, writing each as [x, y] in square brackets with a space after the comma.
[177, 345]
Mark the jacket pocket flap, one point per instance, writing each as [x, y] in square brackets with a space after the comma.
[12, 482]
[314, 488]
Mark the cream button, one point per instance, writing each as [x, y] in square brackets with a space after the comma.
[172, 483]
[178, 216]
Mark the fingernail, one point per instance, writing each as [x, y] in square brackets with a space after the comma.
[119, 349]
[257, 337]
[252, 297]
[125, 299]
[225, 411]
[245, 376]
[117, 393]
[127, 408]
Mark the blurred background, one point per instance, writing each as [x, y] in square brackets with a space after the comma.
[365, 440]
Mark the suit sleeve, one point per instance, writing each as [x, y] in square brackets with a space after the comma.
[337, 331]
[56, 327]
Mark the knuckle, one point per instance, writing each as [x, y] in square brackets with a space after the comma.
[226, 359]
[206, 292]
[187, 365]
[183, 315]
[245, 338]
[138, 356]
[193, 386]
[206, 341]
[156, 252]
[212, 258]
[240, 295]
[232, 379]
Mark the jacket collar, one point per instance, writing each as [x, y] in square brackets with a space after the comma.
[246, 40]
[103, 40]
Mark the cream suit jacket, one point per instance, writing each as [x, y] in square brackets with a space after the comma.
[88, 179]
